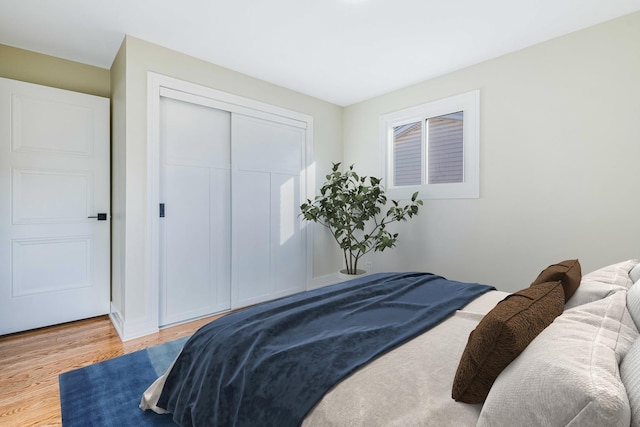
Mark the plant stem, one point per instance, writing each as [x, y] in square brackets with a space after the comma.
[346, 262]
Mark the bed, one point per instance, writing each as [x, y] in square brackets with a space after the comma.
[563, 351]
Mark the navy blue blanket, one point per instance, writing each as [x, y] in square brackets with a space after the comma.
[268, 365]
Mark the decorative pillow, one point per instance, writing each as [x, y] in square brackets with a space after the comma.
[630, 374]
[603, 282]
[501, 336]
[568, 272]
[568, 376]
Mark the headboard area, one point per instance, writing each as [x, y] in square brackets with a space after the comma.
[584, 368]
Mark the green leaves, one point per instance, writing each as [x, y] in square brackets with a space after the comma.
[348, 204]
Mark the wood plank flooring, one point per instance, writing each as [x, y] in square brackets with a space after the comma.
[30, 363]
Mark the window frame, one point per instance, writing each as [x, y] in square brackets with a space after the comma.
[469, 104]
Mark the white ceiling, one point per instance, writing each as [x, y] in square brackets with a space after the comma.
[342, 51]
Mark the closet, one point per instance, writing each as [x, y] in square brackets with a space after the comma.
[231, 180]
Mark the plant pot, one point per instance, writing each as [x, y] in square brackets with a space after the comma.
[344, 276]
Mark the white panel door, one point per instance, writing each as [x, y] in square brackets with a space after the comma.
[54, 176]
[195, 232]
[269, 244]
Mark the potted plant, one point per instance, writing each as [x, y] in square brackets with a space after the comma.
[350, 206]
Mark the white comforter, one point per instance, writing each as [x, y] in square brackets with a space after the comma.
[411, 385]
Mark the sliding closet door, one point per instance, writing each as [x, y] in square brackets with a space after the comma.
[195, 232]
[231, 179]
[269, 249]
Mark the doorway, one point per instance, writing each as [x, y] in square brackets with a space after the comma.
[55, 212]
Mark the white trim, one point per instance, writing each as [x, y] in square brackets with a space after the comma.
[133, 328]
[192, 98]
[159, 85]
[152, 264]
[116, 320]
[230, 102]
[468, 102]
[128, 330]
[322, 281]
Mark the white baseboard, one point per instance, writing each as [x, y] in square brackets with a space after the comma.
[320, 281]
[128, 330]
[116, 320]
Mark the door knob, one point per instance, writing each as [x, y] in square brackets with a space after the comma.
[100, 217]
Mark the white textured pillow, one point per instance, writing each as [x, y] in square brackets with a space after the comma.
[568, 375]
[603, 282]
[633, 303]
[630, 373]
[635, 274]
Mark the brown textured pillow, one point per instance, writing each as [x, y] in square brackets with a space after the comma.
[568, 272]
[502, 335]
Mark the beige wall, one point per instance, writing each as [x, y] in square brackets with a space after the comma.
[118, 177]
[560, 143]
[32, 67]
[129, 195]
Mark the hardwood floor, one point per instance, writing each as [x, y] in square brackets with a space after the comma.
[30, 363]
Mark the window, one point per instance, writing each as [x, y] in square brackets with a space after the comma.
[433, 148]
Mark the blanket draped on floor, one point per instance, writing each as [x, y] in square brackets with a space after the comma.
[268, 365]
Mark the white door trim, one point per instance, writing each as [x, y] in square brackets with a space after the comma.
[159, 85]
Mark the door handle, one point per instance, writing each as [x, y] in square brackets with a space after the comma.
[100, 217]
